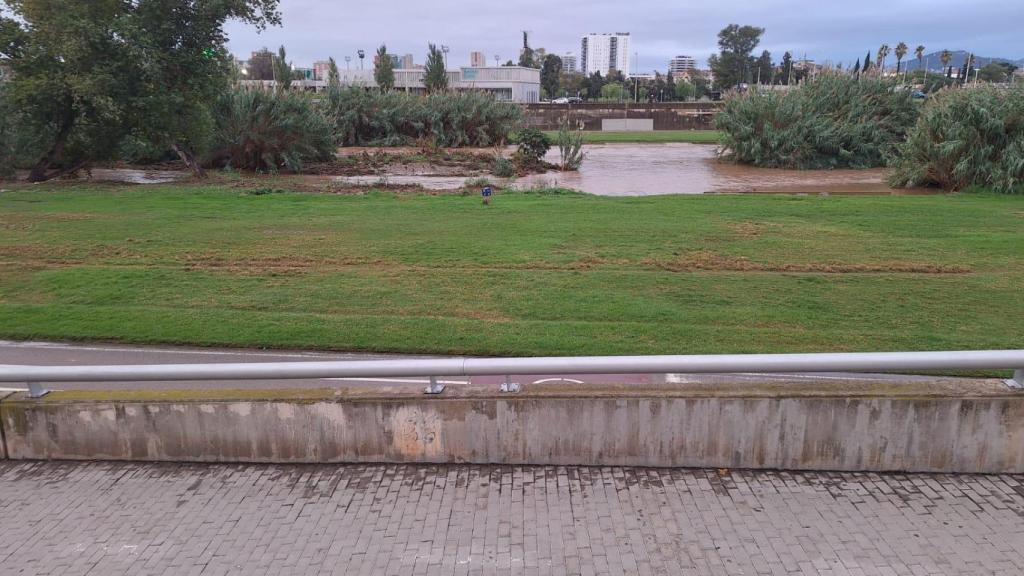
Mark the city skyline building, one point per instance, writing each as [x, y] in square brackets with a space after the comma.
[605, 52]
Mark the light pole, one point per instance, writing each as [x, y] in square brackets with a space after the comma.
[348, 59]
[444, 50]
[497, 59]
[361, 54]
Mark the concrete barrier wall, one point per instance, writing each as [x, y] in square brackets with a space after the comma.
[977, 434]
[665, 116]
[630, 125]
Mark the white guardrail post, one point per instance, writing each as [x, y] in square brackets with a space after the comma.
[434, 368]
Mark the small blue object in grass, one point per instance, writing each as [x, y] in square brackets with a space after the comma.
[487, 191]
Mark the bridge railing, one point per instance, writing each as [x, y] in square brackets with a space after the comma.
[34, 377]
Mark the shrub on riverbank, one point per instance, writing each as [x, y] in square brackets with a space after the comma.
[966, 137]
[369, 118]
[830, 122]
[258, 130]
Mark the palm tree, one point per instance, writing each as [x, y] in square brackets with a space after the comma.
[901, 51]
[883, 53]
[919, 52]
[946, 57]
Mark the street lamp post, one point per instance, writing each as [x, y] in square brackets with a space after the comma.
[348, 59]
[497, 60]
[362, 55]
[444, 50]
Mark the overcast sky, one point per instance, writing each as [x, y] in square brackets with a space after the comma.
[824, 30]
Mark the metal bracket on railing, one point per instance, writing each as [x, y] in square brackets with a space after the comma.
[434, 387]
[1017, 382]
[509, 385]
[36, 390]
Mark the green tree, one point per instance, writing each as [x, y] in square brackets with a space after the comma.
[787, 68]
[550, 74]
[333, 76]
[996, 72]
[765, 68]
[946, 57]
[592, 86]
[613, 92]
[384, 69]
[901, 51]
[435, 77]
[919, 52]
[88, 73]
[856, 68]
[283, 74]
[883, 53]
[867, 62]
[733, 63]
[684, 91]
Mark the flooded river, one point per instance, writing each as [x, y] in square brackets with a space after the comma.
[648, 169]
[617, 170]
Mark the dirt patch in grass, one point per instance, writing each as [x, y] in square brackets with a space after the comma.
[710, 261]
[749, 228]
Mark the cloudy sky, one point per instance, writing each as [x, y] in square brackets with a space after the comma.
[824, 30]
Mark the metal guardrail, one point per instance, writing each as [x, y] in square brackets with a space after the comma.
[34, 376]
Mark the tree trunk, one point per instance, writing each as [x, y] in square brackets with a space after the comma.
[38, 173]
[190, 160]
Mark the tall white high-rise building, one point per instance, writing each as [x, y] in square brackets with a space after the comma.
[604, 53]
[681, 65]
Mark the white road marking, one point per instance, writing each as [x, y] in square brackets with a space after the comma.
[570, 380]
[13, 389]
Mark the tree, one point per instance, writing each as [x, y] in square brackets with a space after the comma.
[526, 54]
[901, 51]
[261, 65]
[856, 68]
[765, 68]
[283, 70]
[435, 77]
[592, 85]
[549, 74]
[90, 72]
[787, 68]
[883, 53]
[867, 62]
[919, 52]
[685, 91]
[384, 69]
[732, 65]
[996, 72]
[946, 57]
[333, 76]
[612, 92]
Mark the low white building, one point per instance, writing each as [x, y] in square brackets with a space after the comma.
[506, 83]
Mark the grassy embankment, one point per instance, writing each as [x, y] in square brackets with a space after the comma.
[528, 275]
[655, 137]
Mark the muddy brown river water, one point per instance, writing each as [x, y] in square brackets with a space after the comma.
[649, 169]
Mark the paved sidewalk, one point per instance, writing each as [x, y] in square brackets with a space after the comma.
[104, 518]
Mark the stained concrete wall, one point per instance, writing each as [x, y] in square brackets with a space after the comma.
[630, 125]
[588, 116]
[806, 431]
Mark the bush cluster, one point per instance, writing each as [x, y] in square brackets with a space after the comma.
[369, 118]
[966, 137]
[257, 130]
[830, 122]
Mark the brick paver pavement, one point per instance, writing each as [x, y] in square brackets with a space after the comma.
[138, 519]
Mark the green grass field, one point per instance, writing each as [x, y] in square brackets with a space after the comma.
[531, 274]
[656, 137]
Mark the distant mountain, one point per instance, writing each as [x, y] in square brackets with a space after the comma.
[933, 61]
